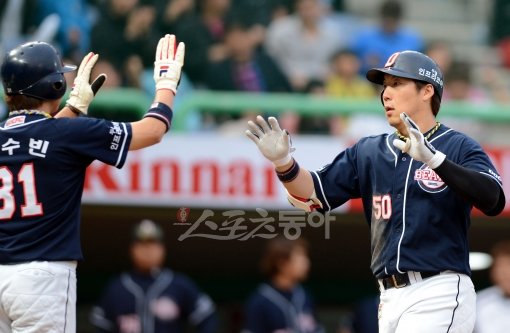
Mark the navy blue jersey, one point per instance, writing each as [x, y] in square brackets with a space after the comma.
[271, 310]
[163, 302]
[42, 172]
[417, 222]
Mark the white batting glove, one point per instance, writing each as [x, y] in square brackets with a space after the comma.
[273, 142]
[417, 146]
[83, 92]
[168, 63]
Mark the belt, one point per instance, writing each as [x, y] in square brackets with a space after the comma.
[405, 279]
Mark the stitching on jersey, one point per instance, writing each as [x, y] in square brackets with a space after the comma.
[403, 215]
[322, 190]
[119, 159]
[21, 125]
[392, 151]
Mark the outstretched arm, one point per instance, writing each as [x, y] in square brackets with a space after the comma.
[167, 73]
[82, 92]
[274, 143]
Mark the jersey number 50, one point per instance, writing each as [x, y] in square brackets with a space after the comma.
[381, 206]
[26, 177]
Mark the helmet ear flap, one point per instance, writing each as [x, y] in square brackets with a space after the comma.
[52, 86]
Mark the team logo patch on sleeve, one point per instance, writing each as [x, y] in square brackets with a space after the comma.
[428, 180]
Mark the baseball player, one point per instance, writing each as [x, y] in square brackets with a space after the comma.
[42, 171]
[418, 187]
[282, 304]
[150, 298]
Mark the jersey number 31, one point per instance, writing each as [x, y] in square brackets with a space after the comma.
[26, 178]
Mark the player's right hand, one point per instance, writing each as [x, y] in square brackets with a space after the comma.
[83, 91]
[273, 142]
[168, 63]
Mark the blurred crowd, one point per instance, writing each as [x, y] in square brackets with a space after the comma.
[292, 46]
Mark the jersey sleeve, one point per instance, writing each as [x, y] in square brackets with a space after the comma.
[101, 315]
[473, 157]
[97, 139]
[197, 306]
[338, 181]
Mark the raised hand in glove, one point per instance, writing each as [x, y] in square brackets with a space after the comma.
[168, 63]
[83, 92]
[417, 146]
[273, 142]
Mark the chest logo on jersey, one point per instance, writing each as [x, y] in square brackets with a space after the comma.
[15, 121]
[428, 180]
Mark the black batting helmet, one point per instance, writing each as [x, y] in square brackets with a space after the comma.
[34, 69]
[411, 65]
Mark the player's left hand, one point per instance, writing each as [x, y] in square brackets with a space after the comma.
[417, 146]
[168, 63]
[83, 92]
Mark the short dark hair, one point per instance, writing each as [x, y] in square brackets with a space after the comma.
[391, 9]
[22, 102]
[279, 250]
[435, 102]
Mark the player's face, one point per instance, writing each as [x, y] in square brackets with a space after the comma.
[147, 255]
[400, 95]
[500, 273]
[298, 265]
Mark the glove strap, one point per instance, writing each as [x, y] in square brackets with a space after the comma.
[161, 112]
[76, 111]
[436, 160]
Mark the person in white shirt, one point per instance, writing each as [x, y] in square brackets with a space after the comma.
[493, 303]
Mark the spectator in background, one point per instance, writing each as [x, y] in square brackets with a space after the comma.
[171, 13]
[376, 44]
[303, 43]
[125, 35]
[204, 33]
[459, 85]
[152, 299]
[281, 304]
[345, 82]
[20, 23]
[73, 35]
[245, 69]
[493, 304]
[441, 53]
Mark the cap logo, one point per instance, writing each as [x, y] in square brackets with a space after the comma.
[392, 59]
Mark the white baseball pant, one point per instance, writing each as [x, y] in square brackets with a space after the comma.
[442, 303]
[38, 297]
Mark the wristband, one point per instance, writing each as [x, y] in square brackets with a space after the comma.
[289, 174]
[162, 112]
[436, 160]
[76, 111]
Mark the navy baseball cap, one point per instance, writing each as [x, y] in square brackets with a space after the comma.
[411, 65]
[147, 230]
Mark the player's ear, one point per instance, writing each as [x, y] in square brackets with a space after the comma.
[427, 92]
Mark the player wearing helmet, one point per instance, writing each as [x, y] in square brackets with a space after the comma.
[42, 171]
[418, 187]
